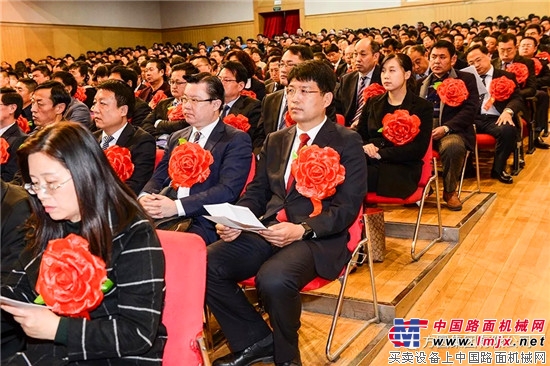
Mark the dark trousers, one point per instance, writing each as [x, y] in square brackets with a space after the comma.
[541, 117]
[505, 134]
[280, 275]
[452, 152]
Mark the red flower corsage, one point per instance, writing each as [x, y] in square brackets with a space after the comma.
[452, 92]
[538, 66]
[317, 172]
[71, 280]
[159, 95]
[80, 94]
[400, 127]
[238, 121]
[520, 70]
[176, 113]
[288, 120]
[4, 154]
[120, 159]
[373, 90]
[502, 88]
[23, 124]
[248, 93]
[543, 55]
[189, 164]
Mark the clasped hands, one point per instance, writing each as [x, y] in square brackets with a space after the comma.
[158, 206]
[280, 235]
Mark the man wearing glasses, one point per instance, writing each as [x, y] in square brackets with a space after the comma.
[159, 117]
[232, 152]
[295, 248]
[234, 77]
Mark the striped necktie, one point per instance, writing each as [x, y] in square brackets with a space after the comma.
[359, 98]
[106, 141]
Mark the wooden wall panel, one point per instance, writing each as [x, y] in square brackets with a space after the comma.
[208, 33]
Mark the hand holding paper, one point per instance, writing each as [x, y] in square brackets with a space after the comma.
[236, 217]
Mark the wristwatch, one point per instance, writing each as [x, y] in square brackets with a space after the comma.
[308, 231]
[509, 110]
[446, 129]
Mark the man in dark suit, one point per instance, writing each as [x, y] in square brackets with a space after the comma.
[335, 57]
[10, 110]
[496, 117]
[233, 77]
[453, 130]
[49, 101]
[159, 118]
[273, 83]
[230, 148]
[349, 93]
[527, 49]
[155, 72]
[419, 58]
[295, 248]
[142, 109]
[114, 104]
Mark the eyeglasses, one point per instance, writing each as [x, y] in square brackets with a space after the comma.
[177, 82]
[48, 188]
[283, 64]
[292, 92]
[225, 80]
[194, 101]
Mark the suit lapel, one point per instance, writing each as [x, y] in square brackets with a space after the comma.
[125, 136]
[286, 146]
[237, 106]
[215, 136]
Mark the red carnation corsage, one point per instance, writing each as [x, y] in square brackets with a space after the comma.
[120, 159]
[189, 164]
[238, 121]
[400, 127]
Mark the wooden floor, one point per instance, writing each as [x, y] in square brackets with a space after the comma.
[501, 270]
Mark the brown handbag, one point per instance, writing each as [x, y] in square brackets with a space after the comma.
[376, 233]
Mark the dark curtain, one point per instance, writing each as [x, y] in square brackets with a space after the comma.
[273, 24]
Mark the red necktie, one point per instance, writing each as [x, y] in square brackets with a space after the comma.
[304, 138]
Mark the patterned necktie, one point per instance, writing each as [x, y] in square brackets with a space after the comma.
[359, 98]
[282, 123]
[197, 137]
[106, 141]
[304, 138]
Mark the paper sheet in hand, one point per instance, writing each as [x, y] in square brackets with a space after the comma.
[17, 303]
[236, 217]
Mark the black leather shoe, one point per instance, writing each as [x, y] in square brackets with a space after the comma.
[503, 177]
[295, 362]
[248, 356]
[540, 144]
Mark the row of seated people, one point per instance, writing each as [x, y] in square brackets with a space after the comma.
[203, 105]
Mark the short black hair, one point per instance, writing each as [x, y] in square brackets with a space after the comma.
[304, 52]
[58, 94]
[316, 71]
[29, 83]
[67, 79]
[8, 96]
[126, 74]
[124, 95]
[480, 47]
[187, 67]
[214, 86]
[236, 69]
[507, 37]
[445, 44]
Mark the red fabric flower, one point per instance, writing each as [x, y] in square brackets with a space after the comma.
[288, 120]
[317, 172]
[176, 113]
[520, 70]
[502, 88]
[248, 93]
[4, 154]
[80, 94]
[70, 277]
[238, 121]
[373, 90]
[400, 127]
[120, 159]
[538, 66]
[543, 55]
[189, 164]
[452, 92]
[159, 95]
[23, 124]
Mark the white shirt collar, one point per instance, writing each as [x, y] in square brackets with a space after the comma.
[4, 129]
[115, 135]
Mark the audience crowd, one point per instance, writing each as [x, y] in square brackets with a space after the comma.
[232, 97]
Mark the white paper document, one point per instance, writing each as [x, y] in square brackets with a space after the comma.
[236, 217]
[17, 303]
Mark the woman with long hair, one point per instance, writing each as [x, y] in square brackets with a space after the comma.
[74, 190]
[395, 167]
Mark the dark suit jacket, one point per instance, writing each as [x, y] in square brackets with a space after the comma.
[272, 87]
[165, 126]
[147, 93]
[269, 120]
[15, 137]
[250, 108]
[232, 152]
[346, 93]
[460, 120]
[401, 166]
[530, 88]
[543, 78]
[266, 195]
[141, 111]
[258, 87]
[143, 150]
[15, 211]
